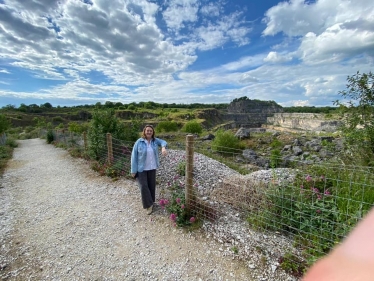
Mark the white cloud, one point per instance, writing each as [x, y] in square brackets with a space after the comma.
[274, 57]
[180, 12]
[329, 30]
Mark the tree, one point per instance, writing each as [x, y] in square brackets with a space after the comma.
[103, 122]
[46, 105]
[358, 110]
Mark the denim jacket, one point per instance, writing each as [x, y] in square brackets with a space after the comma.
[139, 153]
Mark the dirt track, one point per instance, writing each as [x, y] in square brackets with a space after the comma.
[61, 221]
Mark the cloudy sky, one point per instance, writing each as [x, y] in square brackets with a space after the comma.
[76, 52]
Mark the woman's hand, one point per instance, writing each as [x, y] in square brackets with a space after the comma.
[163, 151]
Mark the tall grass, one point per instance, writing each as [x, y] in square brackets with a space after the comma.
[319, 208]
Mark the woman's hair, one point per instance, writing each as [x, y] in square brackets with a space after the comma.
[145, 127]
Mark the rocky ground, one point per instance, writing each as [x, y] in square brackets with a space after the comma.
[61, 221]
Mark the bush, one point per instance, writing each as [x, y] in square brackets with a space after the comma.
[11, 142]
[225, 142]
[192, 127]
[103, 122]
[275, 158]
[167, 126]
[179, 215]
[50, 137]
[358, 127]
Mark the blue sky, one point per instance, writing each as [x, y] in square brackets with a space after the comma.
[76, 52]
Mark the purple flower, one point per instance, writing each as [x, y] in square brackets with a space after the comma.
[319, 197]
[178, 200]
[173, 217]
[192, 220]
[308, 178]
[327, 192]
[182, 206]
[318, 211]
[315, 190]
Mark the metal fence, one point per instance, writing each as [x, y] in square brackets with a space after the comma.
[295, 213]
[3, 138]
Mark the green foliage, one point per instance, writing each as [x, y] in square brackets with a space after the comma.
[57, 119]
[181, 168]
[6, 153]
[77, 128]
[319, 208]
[292, 264]
[103, 122]
[11, 142]
[276, 144]
[359, 114]
[167, 126]
[4, 123]
[192, 127]
[176, 207]
[225, 142]
[275, 158]
[40, 122]
[50, 136]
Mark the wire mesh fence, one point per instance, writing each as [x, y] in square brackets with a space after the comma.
[3, 139]
[310, 207]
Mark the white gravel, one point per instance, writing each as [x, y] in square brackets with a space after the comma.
[61, 221]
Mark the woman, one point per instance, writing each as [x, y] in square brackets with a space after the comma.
[144, 162]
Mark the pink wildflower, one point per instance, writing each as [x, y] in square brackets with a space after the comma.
[192, 220]
[178, 200]
[308, 178]
[182, 206]
[173, 217]
[327, 192]
[319, 197]
[318, 211]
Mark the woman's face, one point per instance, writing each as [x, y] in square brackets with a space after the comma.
[148, 132]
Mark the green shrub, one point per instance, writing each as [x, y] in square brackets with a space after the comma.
[181, 168]
[11, 142]
[226, 142]
[57, 119]
[192, 127]
[319, 208]
[275, 158]
[50, 137]
[276, 144]
[103, 122]
[167, 126]
[176, 207]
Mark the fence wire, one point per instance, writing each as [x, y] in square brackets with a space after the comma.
[309, 207]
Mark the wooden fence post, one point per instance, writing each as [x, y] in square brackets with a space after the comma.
[110, 147]
[189, 194]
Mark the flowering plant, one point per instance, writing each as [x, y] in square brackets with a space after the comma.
[176, 207]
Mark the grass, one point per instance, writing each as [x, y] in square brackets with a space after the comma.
[6, 153]
[319, 208]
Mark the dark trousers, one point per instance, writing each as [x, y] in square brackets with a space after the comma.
[147, 186]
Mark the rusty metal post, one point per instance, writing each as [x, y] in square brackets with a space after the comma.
[189, 194]
[110, 147]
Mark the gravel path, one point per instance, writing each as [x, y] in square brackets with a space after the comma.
[61, 221]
